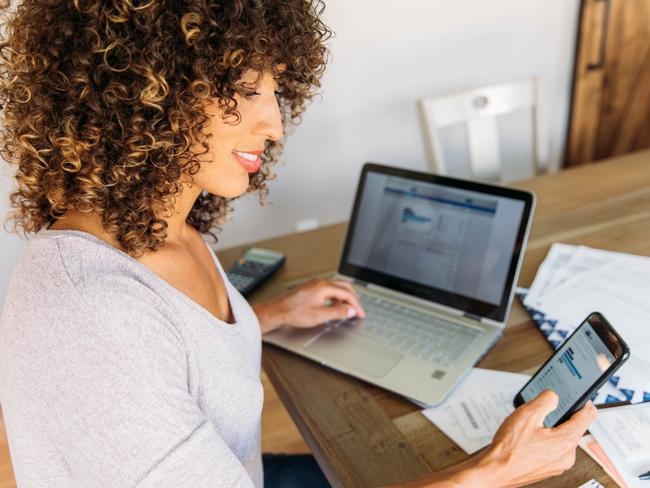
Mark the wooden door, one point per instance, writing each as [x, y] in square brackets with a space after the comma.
[610, 108]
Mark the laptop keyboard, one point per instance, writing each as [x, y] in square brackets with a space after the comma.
[414, 333]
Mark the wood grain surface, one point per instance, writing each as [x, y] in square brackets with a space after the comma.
[610, 107]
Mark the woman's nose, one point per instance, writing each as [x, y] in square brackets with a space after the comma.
[270, 124]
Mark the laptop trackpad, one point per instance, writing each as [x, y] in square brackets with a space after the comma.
[355, 352]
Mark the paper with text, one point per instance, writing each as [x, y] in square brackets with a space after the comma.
[475, 410]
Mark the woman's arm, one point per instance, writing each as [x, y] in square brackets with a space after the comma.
[477, 471]
[523, 450]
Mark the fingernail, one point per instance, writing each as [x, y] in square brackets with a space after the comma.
[351, 312]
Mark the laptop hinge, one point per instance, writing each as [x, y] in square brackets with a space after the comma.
[484, 320]
[472, 316]
[360, 283]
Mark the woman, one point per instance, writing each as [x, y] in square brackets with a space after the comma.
[128, 357]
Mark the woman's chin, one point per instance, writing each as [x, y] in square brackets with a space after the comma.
[234, 190]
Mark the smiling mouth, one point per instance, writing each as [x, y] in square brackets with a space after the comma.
[249, 160]
[249, 156]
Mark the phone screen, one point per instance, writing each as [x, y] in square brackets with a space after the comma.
[572, 371]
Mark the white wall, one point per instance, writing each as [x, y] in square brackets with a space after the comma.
[11, 246]
[386, 55]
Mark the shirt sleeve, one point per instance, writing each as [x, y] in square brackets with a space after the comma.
[114, 392]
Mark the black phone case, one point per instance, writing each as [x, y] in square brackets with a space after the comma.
[518, 401]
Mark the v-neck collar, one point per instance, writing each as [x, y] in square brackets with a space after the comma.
[233, 327]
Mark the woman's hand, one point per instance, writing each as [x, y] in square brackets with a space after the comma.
[526, 451]
[311, 304]
[523, 450]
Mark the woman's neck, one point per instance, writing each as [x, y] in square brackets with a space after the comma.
[179, 232]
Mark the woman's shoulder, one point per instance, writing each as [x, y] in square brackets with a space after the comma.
[56, 259]
[86, 259]
[66, 275]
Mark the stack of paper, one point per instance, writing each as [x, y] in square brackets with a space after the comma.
[574, 281]
[623, 433]
[593, 449]
[477, 407]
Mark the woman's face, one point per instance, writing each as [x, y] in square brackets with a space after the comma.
[235, 148]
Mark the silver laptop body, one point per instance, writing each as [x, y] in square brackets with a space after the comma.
[434, 261]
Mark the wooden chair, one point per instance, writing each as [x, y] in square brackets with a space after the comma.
[492, 133]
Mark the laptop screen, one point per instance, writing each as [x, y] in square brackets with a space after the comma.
[451, 241]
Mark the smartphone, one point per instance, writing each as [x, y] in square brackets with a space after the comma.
[582, 364]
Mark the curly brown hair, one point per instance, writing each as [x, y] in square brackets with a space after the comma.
[104, 101]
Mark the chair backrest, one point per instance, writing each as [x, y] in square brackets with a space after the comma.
[492, 133]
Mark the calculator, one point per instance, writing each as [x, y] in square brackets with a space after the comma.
[253, 268]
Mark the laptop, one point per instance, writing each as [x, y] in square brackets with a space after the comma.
[435, 261]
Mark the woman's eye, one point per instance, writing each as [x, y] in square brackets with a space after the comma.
[252, 94]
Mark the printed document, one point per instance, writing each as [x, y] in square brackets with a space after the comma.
[622, 432]
[475, 410]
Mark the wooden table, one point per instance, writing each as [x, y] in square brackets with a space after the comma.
[363, 436]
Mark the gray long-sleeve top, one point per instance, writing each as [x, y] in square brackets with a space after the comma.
[110, 376]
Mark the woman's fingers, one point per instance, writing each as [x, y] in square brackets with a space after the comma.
[339, 311]
[542, 405]
[328, 291]
[528, 451]
[531, 452]
[319, 301]
[579, 422]
[344, 284]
